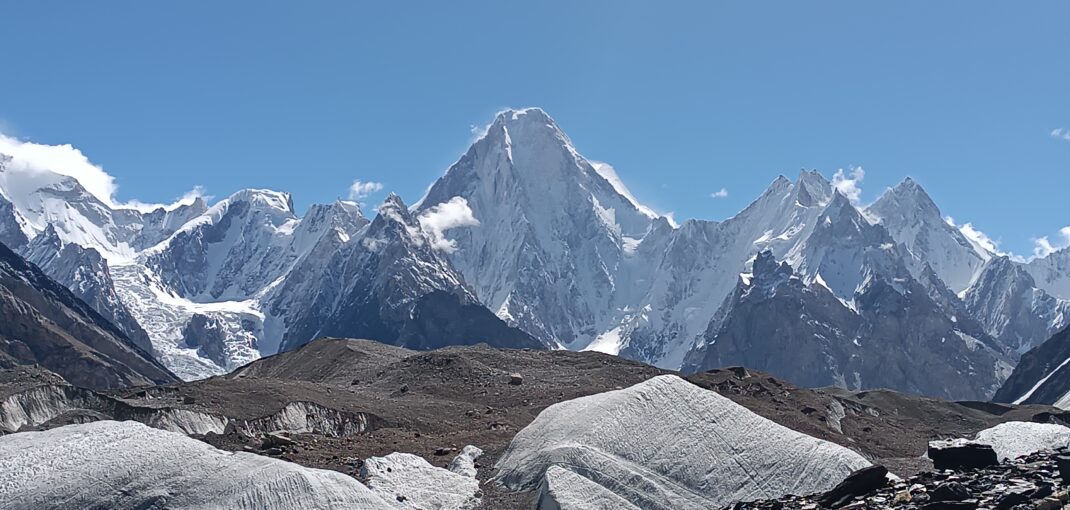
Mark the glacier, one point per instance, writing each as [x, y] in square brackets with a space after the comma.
[665, 443]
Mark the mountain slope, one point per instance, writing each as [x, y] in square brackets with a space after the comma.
[891, 336]
[1052, 273]
[553, 229]
[1042, 375]
[394, 286]
[915, 222]
[232, 251]
[1005, 298]
[85, 272]
[42, 322]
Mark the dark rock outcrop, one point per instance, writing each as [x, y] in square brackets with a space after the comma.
[961, 455]
[859, 483]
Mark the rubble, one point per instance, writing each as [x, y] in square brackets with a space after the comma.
[1032, 481]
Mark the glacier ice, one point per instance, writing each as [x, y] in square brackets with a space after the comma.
[127, 465]
[666, 443]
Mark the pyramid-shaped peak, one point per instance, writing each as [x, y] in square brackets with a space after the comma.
[907, 198]
[393, 202]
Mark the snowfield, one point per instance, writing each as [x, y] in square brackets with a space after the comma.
[665, 443]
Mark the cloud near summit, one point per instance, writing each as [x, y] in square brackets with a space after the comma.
[31, 163]
[445, 216]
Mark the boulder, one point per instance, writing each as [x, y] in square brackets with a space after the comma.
[959, 454]
[859, 483]
[951, 491]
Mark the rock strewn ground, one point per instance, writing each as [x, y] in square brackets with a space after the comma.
[1030, 482]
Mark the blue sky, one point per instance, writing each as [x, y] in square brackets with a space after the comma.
[683, 99]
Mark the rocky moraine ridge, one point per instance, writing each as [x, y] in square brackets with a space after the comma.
[1037, 481]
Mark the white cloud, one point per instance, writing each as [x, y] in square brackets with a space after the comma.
[1061, 134]
[850, 185]
[360, 190]
[34, 165]
[1042, 247]
[187, 198]
[721, 193]
[38, 158]
[980, 239]
[445, 216]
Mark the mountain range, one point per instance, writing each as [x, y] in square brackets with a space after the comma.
[523, 242]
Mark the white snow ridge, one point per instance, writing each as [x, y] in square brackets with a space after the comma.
[665, 444]
[127, 465]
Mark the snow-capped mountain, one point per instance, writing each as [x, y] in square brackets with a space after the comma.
[1052, 273]
[85, 272]
[40, 198]
[1005, 298]
[553, 247]
[233, 250]
[693, 268]
[890, 334]
[553, 229]
[391, 285]
[915, 222]
[41, 322]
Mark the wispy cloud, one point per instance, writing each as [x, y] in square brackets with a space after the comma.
[360, 190]
[850, 184]
[1043, 246]
[445, 216]
[1061, 134]
[721, 193]
[34, 164]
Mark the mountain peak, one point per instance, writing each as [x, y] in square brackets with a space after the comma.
[265, 198]
[907, 196]
[524, 115]
[393, 202]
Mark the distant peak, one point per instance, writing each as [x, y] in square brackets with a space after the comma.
[910, 186]
[526, 122]
[393, 202]
[906, 198]
[779, 184]
[839, 201]
[277, 200]
[530, 114]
